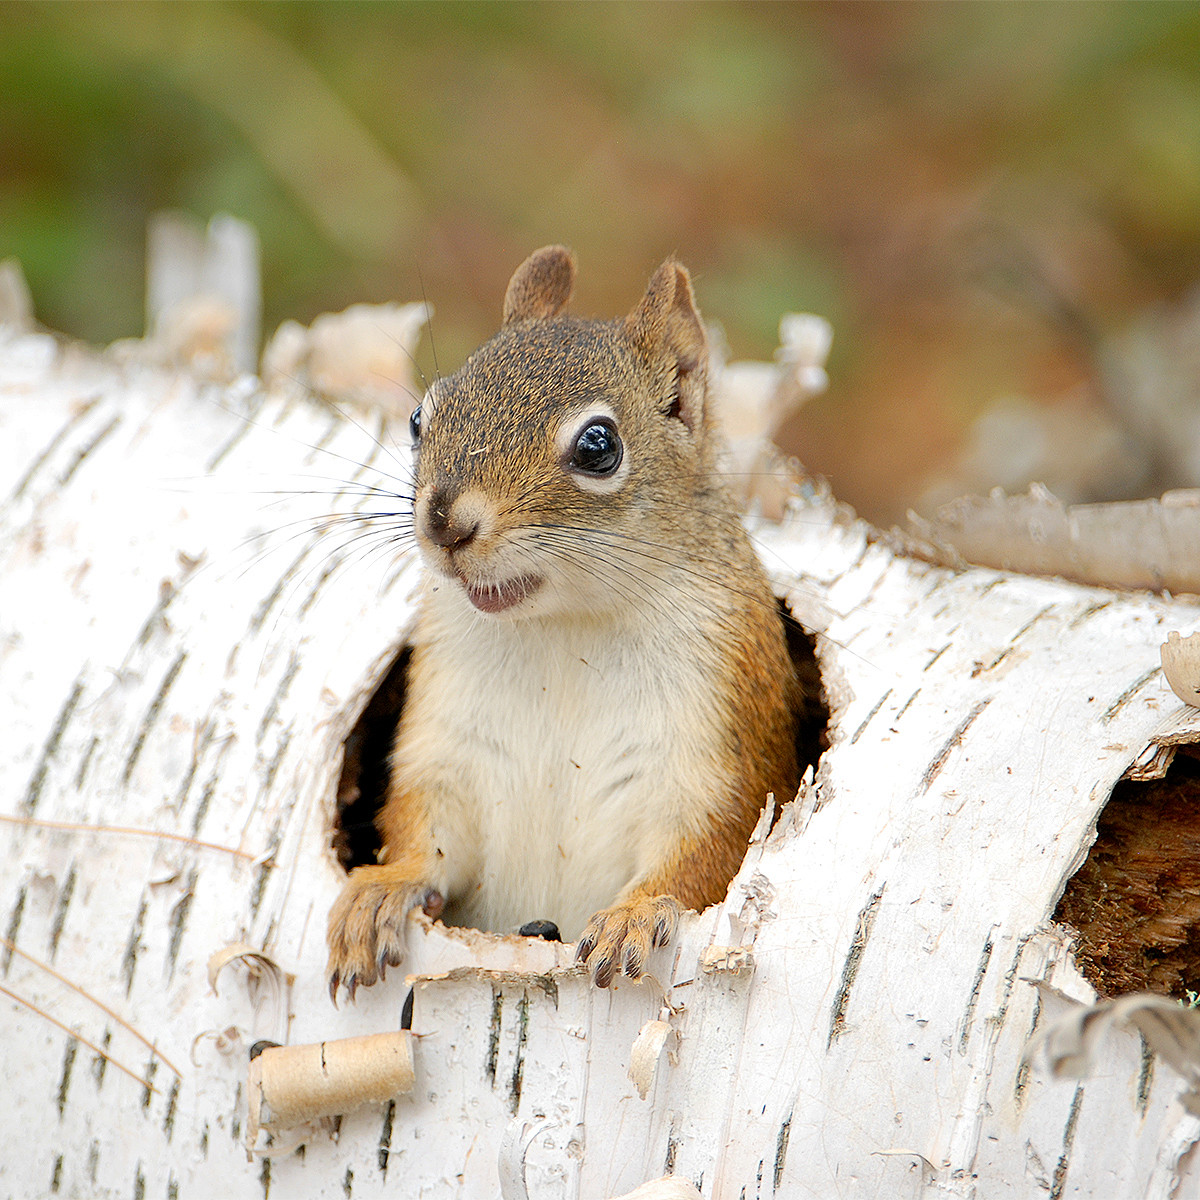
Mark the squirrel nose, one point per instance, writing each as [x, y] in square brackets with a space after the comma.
[444, 527]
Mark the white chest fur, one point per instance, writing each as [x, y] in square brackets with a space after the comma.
[556, 758]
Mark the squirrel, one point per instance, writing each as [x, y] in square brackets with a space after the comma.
[600, 695]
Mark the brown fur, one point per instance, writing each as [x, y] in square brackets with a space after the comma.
[671, 589]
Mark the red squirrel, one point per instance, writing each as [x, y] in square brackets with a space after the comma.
[600, 695]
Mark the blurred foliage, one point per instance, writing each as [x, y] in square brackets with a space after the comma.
[975, 194]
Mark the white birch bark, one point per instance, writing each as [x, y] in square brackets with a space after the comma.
[173, 712]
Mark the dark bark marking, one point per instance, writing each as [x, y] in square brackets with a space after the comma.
[1088, 613]
[973, 999]
[862, 931]
[1010, 978]
[285, 682]
[133, 946]
[246, 423]
[178, 922]
[904, 708]
[870, 716]
[1022, 1078]
[1037, 616]
[1145, 1079]
[93, 1160]
[85, 451]
[493, 1051]
[1128, 694]
[937, 654]
[52, 445]
[64, 1081]
[166, 593]
[100, 1061]
[939, 761]
[348, 1183]
[518, 1075]
[148, 1091]
[322, 579]
[264, 870]
[264, 1178]
[385, 1137]
[285, 740]
[210, 787]
[940, 580]
[14, 924]
[272, 597]
[781, 1146]
[151, 716]
[50, 749]
[56, 1177]
[172, 1188]
[1064, 1159]
[172, 1102]
[199, 749]
[60, 910]
[139, 1184]
[672, 1147]
[85, 762]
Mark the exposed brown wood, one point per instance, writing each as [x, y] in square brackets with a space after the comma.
[1136, 900]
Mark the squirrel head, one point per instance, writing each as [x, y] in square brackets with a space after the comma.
[560, 468]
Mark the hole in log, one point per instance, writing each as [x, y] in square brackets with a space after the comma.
[1135, 902]
[366, 769]
[363, 786]
[812, 721]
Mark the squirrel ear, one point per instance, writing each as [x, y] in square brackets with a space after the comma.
[666, 322]
[540, 286]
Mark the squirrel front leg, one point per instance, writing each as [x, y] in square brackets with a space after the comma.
[368, 921]
[619, 939]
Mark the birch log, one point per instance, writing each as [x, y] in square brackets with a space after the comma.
[183, 653]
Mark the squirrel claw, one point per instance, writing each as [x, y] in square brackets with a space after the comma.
[367, 927]
[618, 940]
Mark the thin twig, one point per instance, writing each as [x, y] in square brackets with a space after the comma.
[79, 1038]
[37, 962]
[127, 829]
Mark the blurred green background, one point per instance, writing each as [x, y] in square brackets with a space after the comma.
[977, 195]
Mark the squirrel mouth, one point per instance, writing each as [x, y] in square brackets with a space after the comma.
[496, 597]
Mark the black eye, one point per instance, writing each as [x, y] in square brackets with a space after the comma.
[414, 424]
[597, 449]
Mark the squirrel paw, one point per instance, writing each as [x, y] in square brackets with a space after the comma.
[367, 926]
[621, 938]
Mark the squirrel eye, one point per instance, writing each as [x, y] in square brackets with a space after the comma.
[414, 424]
[598, 449]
